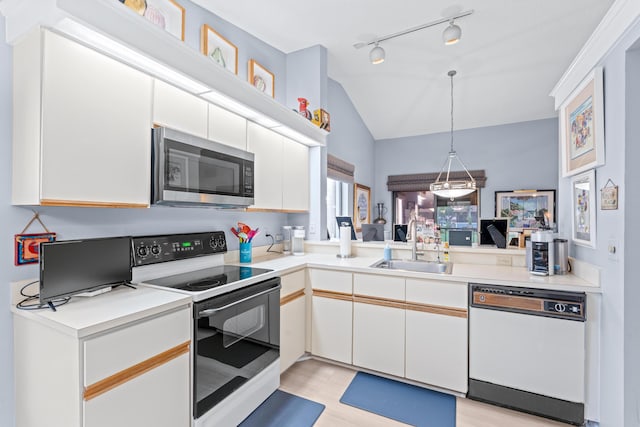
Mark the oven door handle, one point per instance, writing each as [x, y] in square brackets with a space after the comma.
[210, 311]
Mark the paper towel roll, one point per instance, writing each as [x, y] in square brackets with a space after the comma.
[345, 241]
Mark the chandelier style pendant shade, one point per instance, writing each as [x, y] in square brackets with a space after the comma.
[444, 187]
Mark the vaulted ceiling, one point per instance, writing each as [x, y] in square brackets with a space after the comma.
[512, 53]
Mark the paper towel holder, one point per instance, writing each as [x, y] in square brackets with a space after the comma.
[342, 219]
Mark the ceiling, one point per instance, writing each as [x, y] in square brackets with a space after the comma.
[511, 55]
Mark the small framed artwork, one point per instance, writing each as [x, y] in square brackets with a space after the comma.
[166, 14]
[261, 78]
[219, 49]
[583, 202]
[361, 205]
[526, 209]
[582, 126]
[27, 247]
[609, 196]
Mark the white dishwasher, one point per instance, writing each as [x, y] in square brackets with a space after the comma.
[527, 350]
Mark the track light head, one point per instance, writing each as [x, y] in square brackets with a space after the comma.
[376, 56]
[451, 34]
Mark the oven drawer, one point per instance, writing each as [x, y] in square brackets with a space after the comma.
[116, 351]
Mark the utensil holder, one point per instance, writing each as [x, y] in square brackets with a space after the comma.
[245, 252]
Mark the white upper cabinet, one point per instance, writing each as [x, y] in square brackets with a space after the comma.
[295, 179]
[281, 179]
[227, 127]
[81, 126]
[180, 110]
[267, 184]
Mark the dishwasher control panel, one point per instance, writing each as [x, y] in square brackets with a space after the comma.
[540, 302]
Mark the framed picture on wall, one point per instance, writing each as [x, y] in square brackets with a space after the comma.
[583, 208]
[361, 205]
[582, 126]
[219, 49]
[261, 78]
[166, 14]
[526, 209]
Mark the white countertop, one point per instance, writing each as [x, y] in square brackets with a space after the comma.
[474, 273]
[83, 316]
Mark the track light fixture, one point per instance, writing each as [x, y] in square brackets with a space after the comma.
[451, 35]
[377, 55]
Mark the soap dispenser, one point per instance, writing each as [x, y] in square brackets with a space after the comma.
[387, 252]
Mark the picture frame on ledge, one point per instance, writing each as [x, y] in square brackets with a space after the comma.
[583, 204]
[261, 78]
[361, 205]
[526, 209]
[166, 14]
[218, 49]
[582, 126]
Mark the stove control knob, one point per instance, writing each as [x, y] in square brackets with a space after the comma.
[221, 243]
[143, 251]
[155, 249]
[213, 242]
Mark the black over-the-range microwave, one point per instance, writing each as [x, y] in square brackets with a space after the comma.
[193, 171]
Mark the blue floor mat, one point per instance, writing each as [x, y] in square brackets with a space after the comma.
[283, 409]
[402, 402]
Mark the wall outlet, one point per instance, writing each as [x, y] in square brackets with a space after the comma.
[503, 260]
[612, 250]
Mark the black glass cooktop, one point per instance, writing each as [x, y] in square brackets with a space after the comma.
[208, 278]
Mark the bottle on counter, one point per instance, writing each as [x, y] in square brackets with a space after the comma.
[387, 252]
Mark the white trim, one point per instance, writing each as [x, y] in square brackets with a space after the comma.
[618, 19]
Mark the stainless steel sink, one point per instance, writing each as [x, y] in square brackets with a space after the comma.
[419, 266]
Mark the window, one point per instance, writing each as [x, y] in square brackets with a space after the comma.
[459, 213]
[337, 204]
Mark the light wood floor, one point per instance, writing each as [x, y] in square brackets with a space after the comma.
[325, 383]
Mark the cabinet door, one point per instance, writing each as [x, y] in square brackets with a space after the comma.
[378, 338]
[96, 119]
[159, 397]
[292, 331]
[267, 147]
[378, 323]
[437, 350]
[436, 333]
[331, 330]
[177, 109]
[227, 127]
[295, 179]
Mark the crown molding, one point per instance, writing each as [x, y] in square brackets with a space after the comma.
[618, 20]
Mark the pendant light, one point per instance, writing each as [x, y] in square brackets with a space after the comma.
[452, 188]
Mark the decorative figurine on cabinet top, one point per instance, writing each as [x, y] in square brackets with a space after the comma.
[322, 119]
[303, 108]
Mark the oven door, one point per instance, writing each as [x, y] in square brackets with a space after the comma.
[236, 336]
[192, 170]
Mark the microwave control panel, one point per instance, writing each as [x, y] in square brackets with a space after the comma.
[172, 247]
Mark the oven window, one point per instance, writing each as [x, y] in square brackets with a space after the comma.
[243, 325]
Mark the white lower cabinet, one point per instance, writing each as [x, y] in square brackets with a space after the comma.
[135, 375]
[292, 319]
[332, 315]
[379, 323]
[159, 398]
[436, 333]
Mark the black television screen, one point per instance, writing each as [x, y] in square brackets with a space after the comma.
[501, 224]
[74, 266]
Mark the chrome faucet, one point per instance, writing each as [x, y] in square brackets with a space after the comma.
[414, 239]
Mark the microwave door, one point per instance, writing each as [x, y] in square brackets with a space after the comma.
[182, 171]
[220, 176]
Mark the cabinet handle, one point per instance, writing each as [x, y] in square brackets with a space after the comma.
[119, 378]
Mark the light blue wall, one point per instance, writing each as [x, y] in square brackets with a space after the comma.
[514, 156]
[249, 47]
[350, 139]
[307, 77]
[620, 389]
